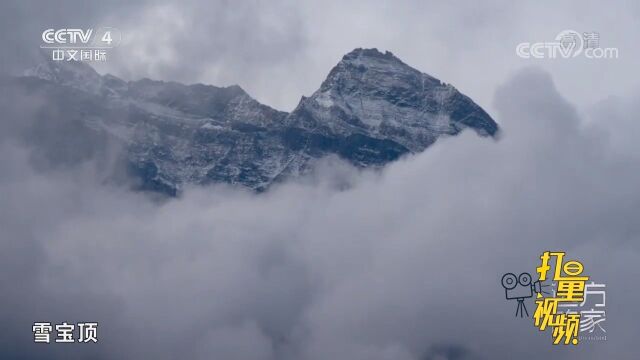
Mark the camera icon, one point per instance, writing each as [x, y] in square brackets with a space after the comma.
[519, 288]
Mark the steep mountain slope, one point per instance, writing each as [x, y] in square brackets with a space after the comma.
[371, 109]
[378, 95]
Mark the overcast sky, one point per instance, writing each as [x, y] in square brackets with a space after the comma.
[404, 264]
[292, 45]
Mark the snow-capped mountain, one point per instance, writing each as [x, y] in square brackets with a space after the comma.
[377, 95]
[371, 109]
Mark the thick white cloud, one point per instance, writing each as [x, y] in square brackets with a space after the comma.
[291, 45]
[347, 265]
[397, 265]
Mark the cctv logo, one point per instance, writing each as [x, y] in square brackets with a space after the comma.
[79, 44]
[66, 36]
[569, 43]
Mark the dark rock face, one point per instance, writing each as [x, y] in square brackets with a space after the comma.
[371, 109]
[378, 96]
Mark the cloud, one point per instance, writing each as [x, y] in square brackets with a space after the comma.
[292, 45]
[400, 264]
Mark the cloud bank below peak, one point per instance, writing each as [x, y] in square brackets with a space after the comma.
[402, 264]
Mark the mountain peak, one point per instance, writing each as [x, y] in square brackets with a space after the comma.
[371, 109]
[371, 53]
[376, 94]
[373, 68]
[73, 73]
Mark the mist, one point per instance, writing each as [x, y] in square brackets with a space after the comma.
[403, 263]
